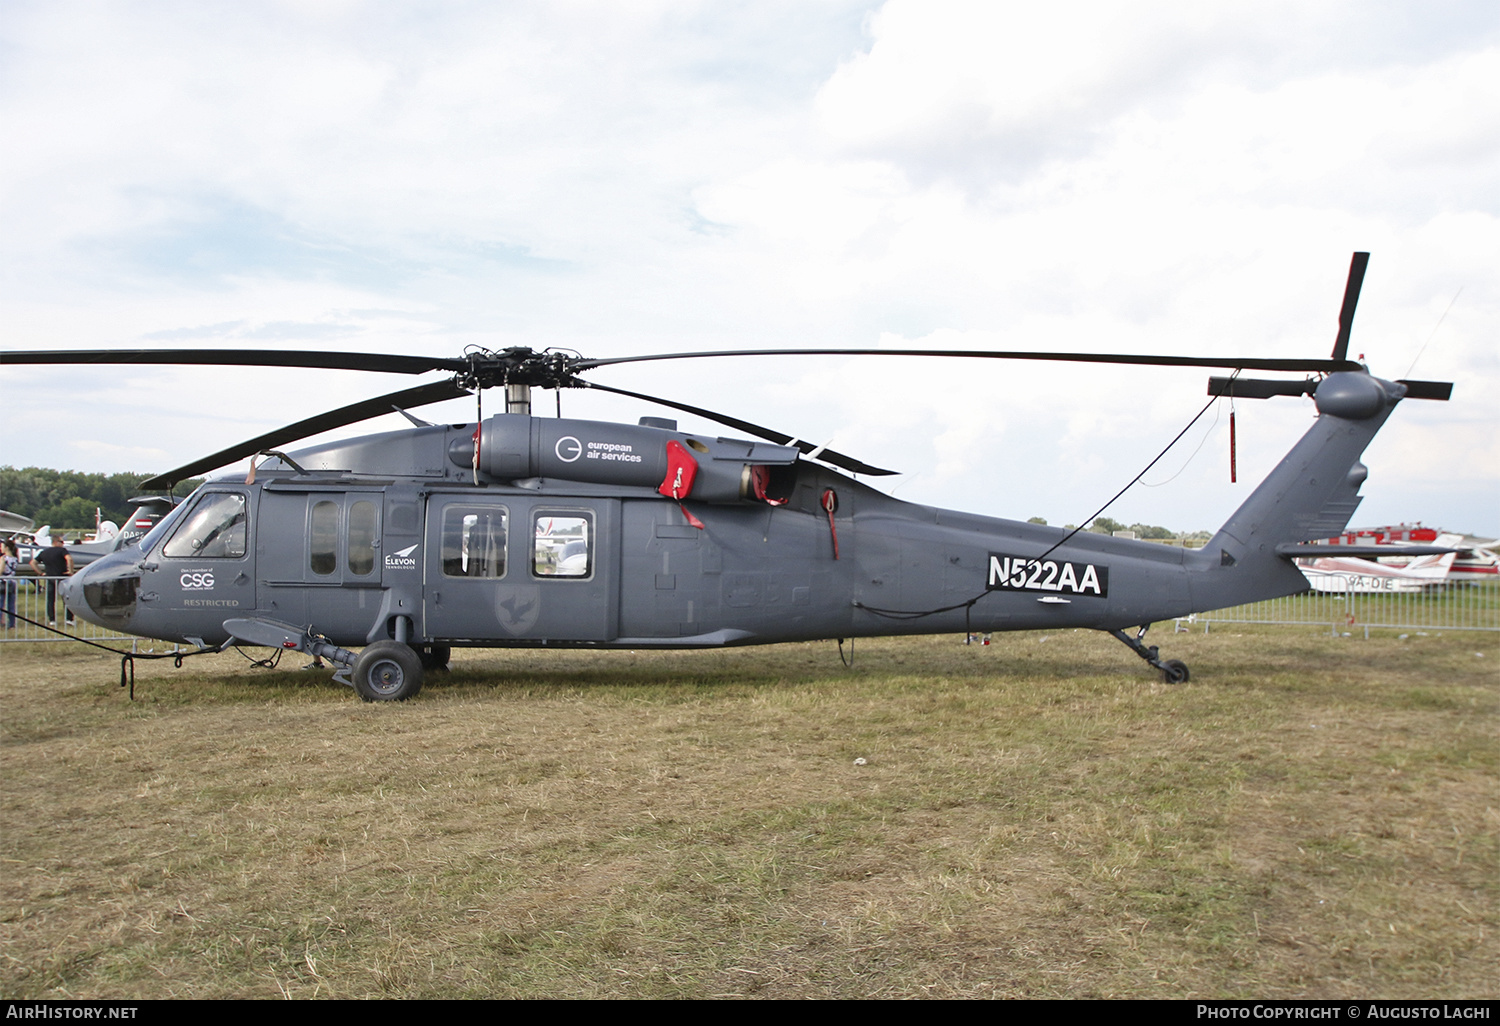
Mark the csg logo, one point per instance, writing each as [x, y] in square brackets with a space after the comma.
[403, 560]
[197, 580]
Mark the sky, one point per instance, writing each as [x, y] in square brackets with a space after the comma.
[619, 178]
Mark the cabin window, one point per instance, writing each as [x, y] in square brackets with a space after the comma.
[324, 538]
[474, 542]
[564, 545]
[214, 530]
[362, 527]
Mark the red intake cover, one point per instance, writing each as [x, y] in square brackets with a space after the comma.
[681, 470]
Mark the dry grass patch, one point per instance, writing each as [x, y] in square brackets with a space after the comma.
[1309, 816]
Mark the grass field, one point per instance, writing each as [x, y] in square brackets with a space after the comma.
[1042, 817]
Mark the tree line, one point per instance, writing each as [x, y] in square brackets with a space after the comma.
[1108, 525]
[66, 499]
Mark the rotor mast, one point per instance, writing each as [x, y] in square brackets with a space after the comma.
[518, 398]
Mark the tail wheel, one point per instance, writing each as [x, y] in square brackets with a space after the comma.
[1174, 671]
[387, 671]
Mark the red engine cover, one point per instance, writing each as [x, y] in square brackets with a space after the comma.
[682, 469]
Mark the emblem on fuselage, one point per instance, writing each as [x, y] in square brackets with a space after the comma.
[517, 608]
[402, 560]
[196, 580]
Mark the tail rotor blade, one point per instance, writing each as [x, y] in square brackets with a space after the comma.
[1351, 300]
[1258, 388]
[1439, 390]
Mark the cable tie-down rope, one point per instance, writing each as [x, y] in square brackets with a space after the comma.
[907, 614]
[127, 659]
[1084, 523]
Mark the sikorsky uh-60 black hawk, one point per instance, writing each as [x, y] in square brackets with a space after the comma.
[536, 531]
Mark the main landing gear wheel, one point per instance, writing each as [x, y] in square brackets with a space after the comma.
[387, 671]
[435, 657]
[1174, 671]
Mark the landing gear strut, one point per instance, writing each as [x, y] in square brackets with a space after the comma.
[1173, 671]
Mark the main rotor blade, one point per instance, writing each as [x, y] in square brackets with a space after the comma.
[409, 398]
[1231, 363]
[1351, 300]
[383, 362]
[836, 459]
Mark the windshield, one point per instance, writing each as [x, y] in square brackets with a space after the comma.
[215, 529]
[164, 526]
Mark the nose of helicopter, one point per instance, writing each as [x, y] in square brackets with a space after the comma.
[102, 593]
[72, 595]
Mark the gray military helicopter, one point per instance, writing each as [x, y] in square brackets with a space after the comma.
[527, 531]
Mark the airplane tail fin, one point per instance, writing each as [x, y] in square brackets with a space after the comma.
[1310, 495]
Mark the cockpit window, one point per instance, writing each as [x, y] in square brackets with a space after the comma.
[215, 529]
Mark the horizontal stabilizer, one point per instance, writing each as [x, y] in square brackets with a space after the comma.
[1292, 549]
[1439, 390]
[1258, 388]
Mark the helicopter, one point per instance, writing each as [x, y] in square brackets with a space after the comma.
[523, 531]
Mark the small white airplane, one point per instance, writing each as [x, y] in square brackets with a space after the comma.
[1472, 563]
[1353, 574]
[1475, 560]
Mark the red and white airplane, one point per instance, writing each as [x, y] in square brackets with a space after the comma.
[1351, 573]
[1391, 569]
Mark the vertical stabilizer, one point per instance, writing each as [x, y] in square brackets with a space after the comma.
[1311, 494]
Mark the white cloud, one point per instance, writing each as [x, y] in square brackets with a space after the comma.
[93, 449]
[1158, 177]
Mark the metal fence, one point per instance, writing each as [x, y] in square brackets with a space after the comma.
[30, 594]
[1463, 606]
[1453, 607]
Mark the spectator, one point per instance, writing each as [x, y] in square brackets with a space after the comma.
[10, 565]
[54, 564]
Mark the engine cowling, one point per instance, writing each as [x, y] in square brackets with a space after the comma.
[513, 447]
